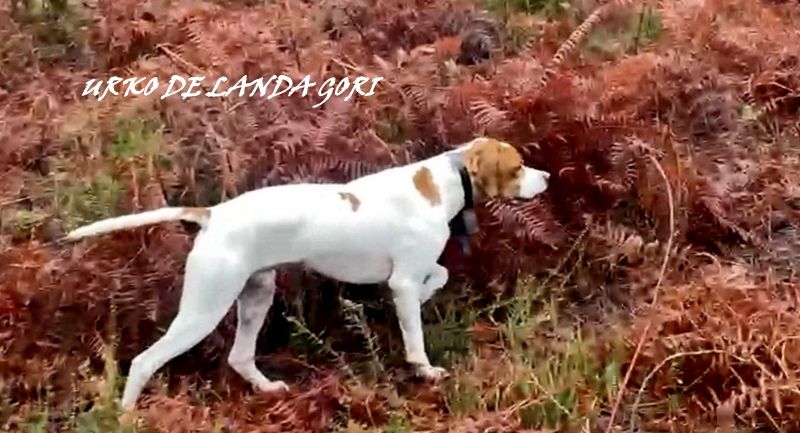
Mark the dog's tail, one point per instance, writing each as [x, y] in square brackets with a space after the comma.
[198, 215]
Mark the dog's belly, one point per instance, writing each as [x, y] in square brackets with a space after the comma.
[353, 269]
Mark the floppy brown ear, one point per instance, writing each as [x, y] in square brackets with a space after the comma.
[472, 161]
[481, 163]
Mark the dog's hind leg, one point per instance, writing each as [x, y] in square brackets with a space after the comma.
[211, 285]
[253, 304]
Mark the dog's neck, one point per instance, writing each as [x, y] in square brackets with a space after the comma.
[464, 223]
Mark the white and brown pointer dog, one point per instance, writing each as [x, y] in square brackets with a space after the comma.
[389, 226]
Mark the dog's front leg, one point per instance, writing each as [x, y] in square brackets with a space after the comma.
[407, 297]
[432, 282]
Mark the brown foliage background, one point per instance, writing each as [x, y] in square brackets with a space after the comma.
[714, 102]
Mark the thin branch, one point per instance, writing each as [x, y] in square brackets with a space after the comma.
[184, 64]
[640, 344]
[658, 367]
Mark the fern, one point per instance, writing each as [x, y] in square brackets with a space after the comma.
[332, 122]
[490, 120]
[578, 35]
[733, 169]
[326, 169]
[417, 108]
[530, 220]
[304, 339]
[626, 161]
[357, 323]
[195, 27]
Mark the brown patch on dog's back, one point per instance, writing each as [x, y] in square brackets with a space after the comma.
[354, 201]
[423, 182]
[495, 167]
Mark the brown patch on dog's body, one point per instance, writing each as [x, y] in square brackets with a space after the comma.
[423, 182]
[354, 201]
[495, 167]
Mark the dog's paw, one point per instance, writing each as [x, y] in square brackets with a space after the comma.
[273, 386]
[430, 372]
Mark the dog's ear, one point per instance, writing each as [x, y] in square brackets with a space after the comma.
[479, 163]
[472, 161]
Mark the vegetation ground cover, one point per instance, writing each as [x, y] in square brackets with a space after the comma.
[652, 288]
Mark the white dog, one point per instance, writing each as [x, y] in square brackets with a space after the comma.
[389, 226]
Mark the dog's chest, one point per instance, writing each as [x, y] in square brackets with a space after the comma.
[352, 268]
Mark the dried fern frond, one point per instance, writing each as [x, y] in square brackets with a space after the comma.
[489, 119]
[531, 221]
[330, 123]
[356, 321]
[624, 241]
[578, 35]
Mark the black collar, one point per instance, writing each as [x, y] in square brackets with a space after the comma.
[465, 223]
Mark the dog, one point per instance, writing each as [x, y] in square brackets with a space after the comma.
[386, 227]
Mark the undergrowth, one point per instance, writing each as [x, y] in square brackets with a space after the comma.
[651, 288]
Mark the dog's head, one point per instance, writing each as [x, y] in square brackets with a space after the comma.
[497, 171]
